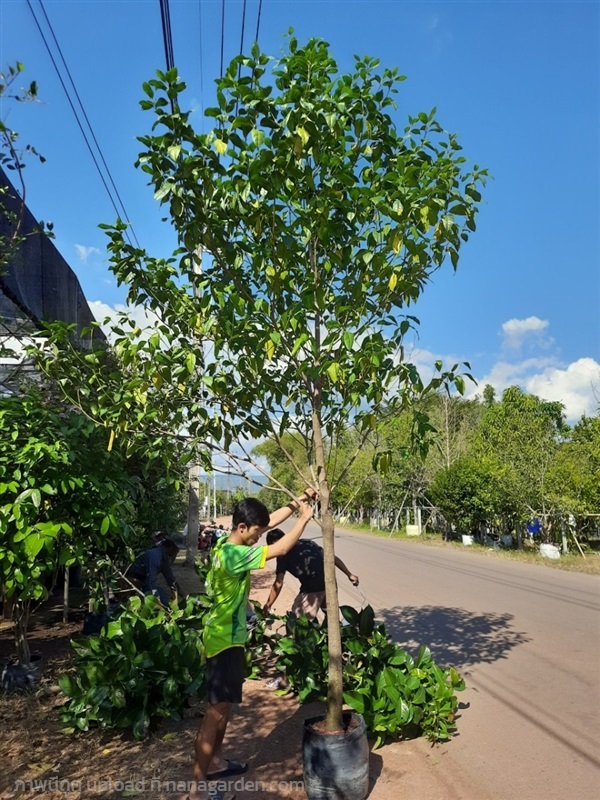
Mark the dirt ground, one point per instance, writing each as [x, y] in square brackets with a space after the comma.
[38, 760]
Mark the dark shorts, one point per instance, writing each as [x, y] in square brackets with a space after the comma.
[225, 674]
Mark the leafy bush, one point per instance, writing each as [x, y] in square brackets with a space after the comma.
[141, 668]
[395, 692]
[259, 643]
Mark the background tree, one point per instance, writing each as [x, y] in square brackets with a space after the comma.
[321, 224]
[523, 433]
[469, 494]
[66, 499]
[573, 476]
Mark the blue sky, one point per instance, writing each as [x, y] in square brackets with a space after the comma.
[518, 81]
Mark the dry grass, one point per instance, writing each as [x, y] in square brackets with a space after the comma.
[573, 562]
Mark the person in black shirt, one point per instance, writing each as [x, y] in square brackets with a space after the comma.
[304, 562]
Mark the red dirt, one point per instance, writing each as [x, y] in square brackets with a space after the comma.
[266, 730]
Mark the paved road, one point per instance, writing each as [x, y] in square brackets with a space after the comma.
[527, 640]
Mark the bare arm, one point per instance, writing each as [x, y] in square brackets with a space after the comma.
[340, 565]
[275, 589]
[285, 544]
[279, 516]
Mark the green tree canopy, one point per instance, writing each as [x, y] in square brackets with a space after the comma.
[320, 223]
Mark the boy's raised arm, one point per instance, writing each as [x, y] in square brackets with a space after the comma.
[279, 516]
[285, 544]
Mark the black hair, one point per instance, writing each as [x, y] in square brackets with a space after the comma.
[275, 535]
[250, 511]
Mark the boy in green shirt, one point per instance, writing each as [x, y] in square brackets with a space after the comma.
[228, 586]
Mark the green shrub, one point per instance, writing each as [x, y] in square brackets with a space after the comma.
[140, 669]
[396, 693]
[259, 644]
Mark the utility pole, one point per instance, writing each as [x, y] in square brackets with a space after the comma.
[214, 495]
[193, 518]
[194, 471]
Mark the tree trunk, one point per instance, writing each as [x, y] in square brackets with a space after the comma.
[193, 519]
[7, 606]
[21, 619]
[65, 616]
[335, 695]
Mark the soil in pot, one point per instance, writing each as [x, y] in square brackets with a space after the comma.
[336, 764]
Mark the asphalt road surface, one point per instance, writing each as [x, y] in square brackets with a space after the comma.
[525, 637]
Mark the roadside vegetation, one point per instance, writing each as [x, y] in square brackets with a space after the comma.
[509, 471]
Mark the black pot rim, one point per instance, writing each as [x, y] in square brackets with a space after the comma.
[346, 714]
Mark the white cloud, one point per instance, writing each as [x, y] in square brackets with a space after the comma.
[506, 373]
[144, 319]
[85, 252]
[515, 331]
[573, 386]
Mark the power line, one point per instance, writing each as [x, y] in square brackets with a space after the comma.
[243, 27]
[83, 133]
[241, 49]
[222, 34]
[201, 64]
[89, 124]
[258, 20]
[165, 15]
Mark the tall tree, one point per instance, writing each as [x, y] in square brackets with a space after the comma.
[321, 223]
[573, 478]
[522, 433]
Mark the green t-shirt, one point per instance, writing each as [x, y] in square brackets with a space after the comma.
[228, 587]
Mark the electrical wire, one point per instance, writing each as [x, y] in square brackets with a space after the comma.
[222, 34]
[258, 20]
[201, 64]
[165, 15]
[243, 28]
[83, 133]
[241, 49]
[89, 124]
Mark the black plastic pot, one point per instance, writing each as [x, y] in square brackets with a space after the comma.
[19, 677]
[336, 765]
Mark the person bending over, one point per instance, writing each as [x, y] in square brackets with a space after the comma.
[305, 562]
[149, 565]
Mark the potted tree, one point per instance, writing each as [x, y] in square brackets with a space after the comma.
[309, 224]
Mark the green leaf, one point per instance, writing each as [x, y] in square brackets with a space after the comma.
[258, 136]
[333, 370]
[366, 621]
[33, 544]
[355, 700]
[67, 685]
[164, 190]
[303, 134]
[190, 362]
[350, 614]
